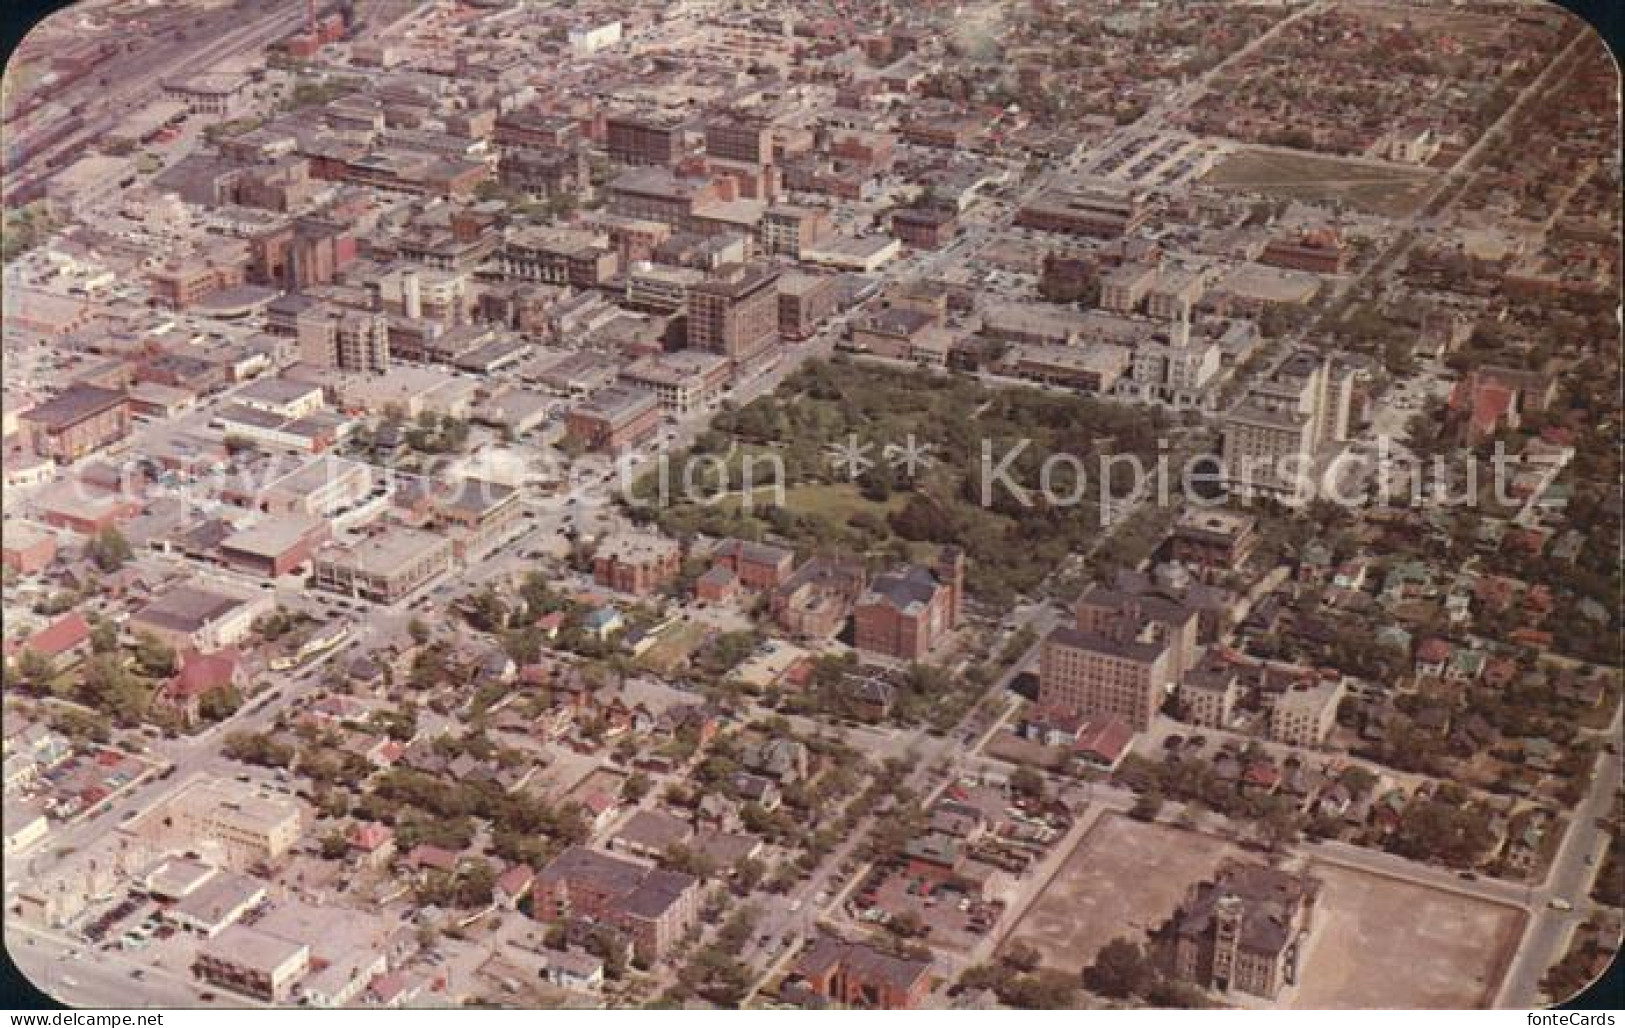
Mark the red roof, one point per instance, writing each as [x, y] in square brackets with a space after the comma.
[202, 673]
[370, 835]
[1261, 773]
[425, 855]
[1433, 651]
[60, 636]
[1106, 738]
[598, 801]
[515, 881]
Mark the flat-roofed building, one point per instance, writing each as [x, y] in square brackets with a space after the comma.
[1305, 713]
[78, 421]
[228, 823]
[1088, 367]
[924, 227]
[276, 545]
[1271, 438]
[1092, 674]
[1320, 251]
[683, 381]
[216, 904]
[744, 139]
[282, 396]
[644, 138]
[253, 963]
[385, 567]
[636, 562]
[654, 907]
[579, 374]
[321, 488]
[558, 256]
[735, 312]
[660, 288]
[862, 254]
[222, 94]
[787, 228]
[200, 618]
[1102, 211]
[350, 340]
[1208, 693]
[1213, 539]
[613, 419]
[544, 173]
[1125, 287]
[26, 549]
[806, 301]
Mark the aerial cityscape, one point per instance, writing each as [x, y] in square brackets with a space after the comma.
[1007, 504]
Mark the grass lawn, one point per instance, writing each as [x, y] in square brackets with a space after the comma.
[835, 500]
[674, 646]
[1377, 189]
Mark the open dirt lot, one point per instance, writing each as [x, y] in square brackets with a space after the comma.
[1124, 879]
[1382, 942]
[1388, 190]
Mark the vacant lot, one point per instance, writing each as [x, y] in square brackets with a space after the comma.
[674, 646]
[1125, 878]
[1382, 942]
[1388, 190]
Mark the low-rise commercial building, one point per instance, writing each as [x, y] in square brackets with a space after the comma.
[613, 419]
[385, 567]
[683, 382]
[78, 421]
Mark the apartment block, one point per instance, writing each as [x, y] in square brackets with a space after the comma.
[637, 563]
[653, 907]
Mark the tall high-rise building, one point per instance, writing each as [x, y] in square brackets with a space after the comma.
[1273, 436]
[348, 340]
[735, 312]
[1120, 659]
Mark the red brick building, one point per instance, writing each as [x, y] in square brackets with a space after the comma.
[736, 312]
[1321, 252]
[653, 907]
[81, 419]
[643, 139]
[613, 419]
[757, 565]
[905, 614]
[926, 228]
[636, 563]
[26, 549]
[855, 974]
[805, 302]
